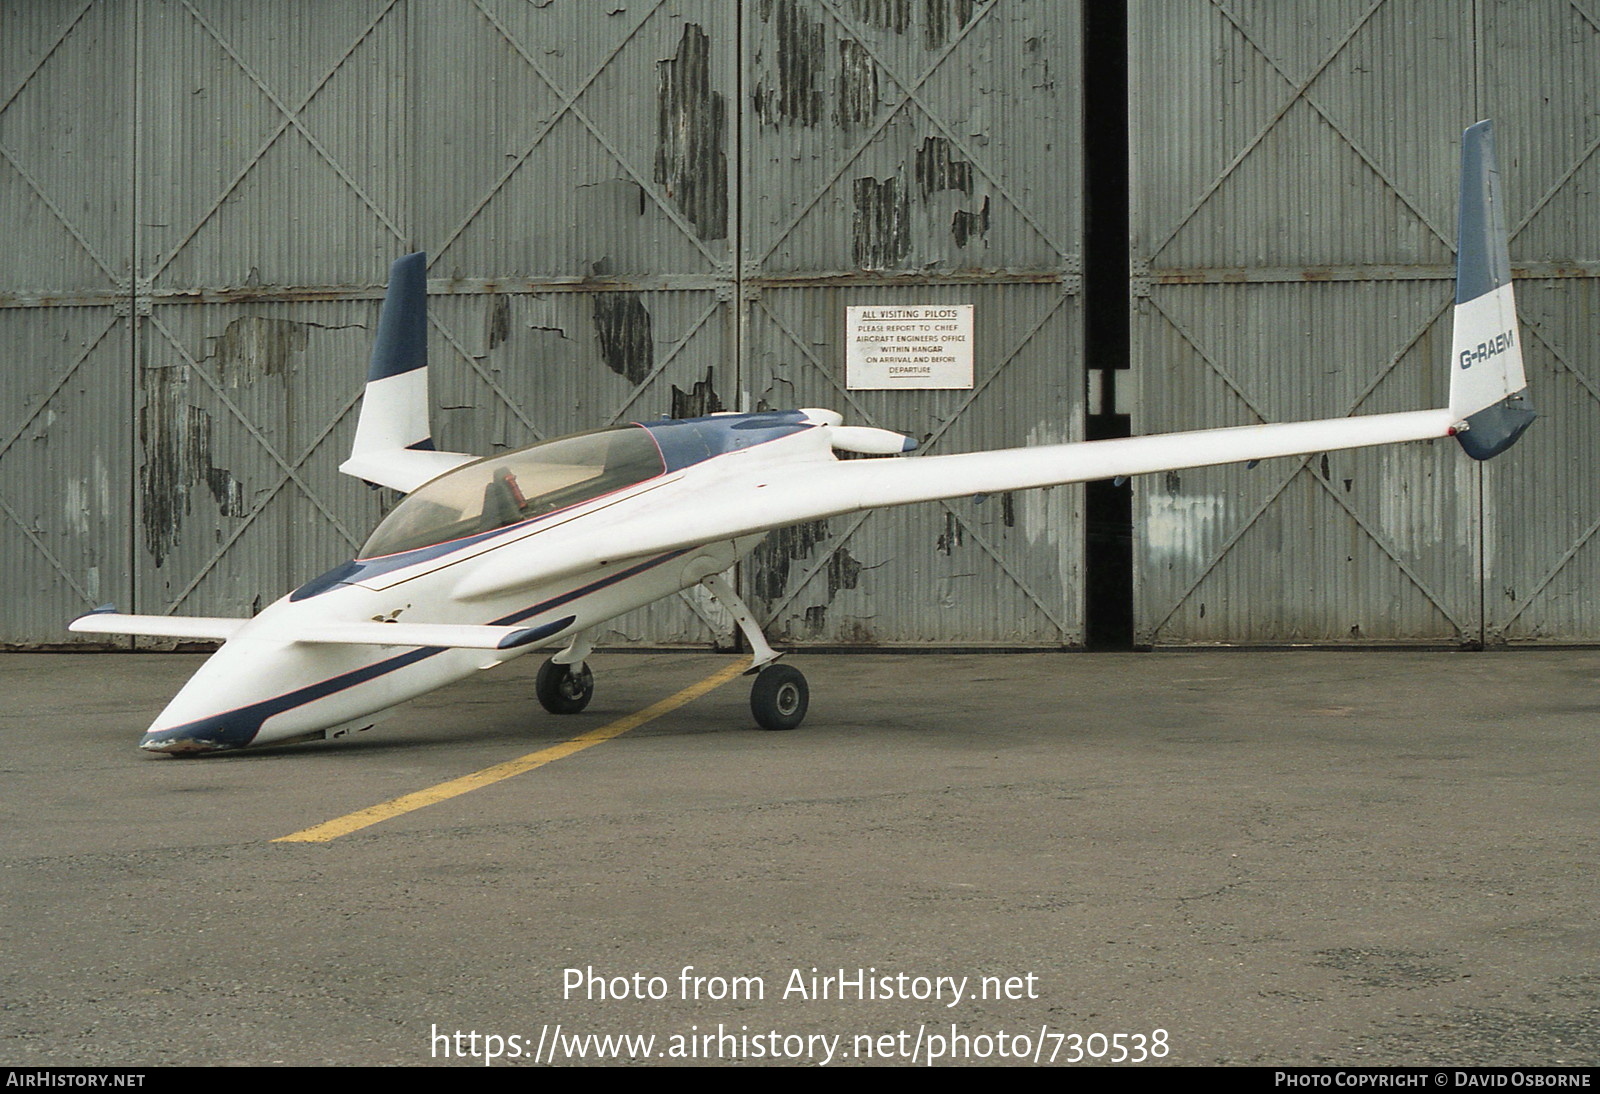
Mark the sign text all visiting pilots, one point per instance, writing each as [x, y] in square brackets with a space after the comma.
[909, 346]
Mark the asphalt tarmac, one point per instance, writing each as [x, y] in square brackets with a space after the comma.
[1193, 858]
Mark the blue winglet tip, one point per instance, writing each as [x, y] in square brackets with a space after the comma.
[402, 341]
[527, 635]
[104, 609]
[1482, 262]
[1494, 429]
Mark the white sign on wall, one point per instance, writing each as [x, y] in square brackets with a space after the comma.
[908, 346]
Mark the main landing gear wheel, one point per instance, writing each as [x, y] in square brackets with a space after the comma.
[562, 691]
[780, 697]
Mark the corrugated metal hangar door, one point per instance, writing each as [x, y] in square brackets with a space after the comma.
[66, 459]
[666, 207]
[903, 154]
[228, 218]
[631, 210]
[1294, 195]
[576, 197]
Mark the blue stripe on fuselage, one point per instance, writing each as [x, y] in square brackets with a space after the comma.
[237, 728]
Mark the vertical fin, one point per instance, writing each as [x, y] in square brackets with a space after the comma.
[394, 409]
[1487, 383]
[394, 441]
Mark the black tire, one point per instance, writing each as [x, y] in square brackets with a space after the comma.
[562, 691]
[780, 697]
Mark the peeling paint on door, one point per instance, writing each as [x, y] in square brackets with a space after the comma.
[881, 233]
[857, 101]
[691, 156]
[789, 90]
[942, 19]
[938, 168]
[844, 572]
[627, 343]
[1182, 526]
[966, 226]
[770, 562]
[176, 439]
[496, 321]
[892, 15]
[701, 399]
[252, 347]
[951, 537]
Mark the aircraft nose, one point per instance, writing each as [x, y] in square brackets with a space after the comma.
[225, 703]
[213, 712]
[217, 733]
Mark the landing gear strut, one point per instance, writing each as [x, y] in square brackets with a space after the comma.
[780, 695]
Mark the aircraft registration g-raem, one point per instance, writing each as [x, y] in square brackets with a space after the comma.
[486, 559]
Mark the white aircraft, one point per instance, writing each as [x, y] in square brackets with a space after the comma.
[486, 559]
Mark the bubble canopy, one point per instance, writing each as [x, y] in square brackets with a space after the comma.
[504, 490]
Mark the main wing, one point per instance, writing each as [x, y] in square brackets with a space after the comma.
[778, 494]
[1487, 411]
[433, 635]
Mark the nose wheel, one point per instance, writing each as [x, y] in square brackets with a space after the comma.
[564, 689]
[779, 698]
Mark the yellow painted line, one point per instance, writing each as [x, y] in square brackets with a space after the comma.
[364, 818]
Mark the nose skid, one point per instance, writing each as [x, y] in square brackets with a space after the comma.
[218, 733]
[225, 703]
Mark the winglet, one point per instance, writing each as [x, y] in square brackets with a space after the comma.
[1488, 388]
[394, 442]
[402, 342]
